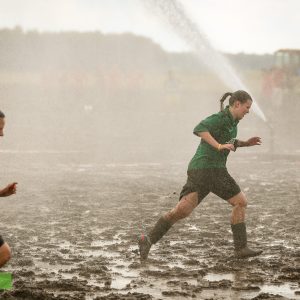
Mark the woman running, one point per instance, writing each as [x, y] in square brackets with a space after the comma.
[207, 173]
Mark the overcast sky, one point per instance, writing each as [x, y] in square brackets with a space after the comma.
[256, 26]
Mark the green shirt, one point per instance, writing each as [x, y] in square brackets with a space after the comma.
[223, 129]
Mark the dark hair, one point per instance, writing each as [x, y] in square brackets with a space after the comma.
[239, 95]
[2, 115]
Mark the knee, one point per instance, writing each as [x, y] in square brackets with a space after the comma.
[184, 208]
[239, 201]
[242, 202]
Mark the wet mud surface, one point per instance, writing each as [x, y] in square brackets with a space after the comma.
[73, 228]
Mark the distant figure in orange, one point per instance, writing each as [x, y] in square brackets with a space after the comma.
[273, 79]
[10, 189]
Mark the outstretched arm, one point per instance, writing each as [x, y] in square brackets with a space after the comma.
[250, 142]
[10, 189]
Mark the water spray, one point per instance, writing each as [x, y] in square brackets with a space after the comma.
[174, 13]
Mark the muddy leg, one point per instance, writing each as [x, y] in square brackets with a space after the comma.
[183, 208]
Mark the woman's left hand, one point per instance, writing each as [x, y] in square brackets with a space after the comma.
[254, 141]
[10, 189]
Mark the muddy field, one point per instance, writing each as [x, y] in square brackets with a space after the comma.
[74, 224]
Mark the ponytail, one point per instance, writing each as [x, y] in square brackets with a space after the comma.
[223, 99]
[239, 95]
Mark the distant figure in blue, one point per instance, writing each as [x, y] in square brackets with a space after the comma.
[10, 189]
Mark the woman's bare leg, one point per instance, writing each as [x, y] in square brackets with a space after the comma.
[239, 203]
[183, 208]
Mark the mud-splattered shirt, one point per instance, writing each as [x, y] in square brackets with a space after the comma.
[223, 129]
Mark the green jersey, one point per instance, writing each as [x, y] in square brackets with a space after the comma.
[223, 129]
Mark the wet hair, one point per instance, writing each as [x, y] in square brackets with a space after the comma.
[2, 115]
[239, 95]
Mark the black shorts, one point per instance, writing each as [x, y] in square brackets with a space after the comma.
[204, 181]
[1, 241]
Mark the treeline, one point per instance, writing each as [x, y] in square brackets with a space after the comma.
[33, 51]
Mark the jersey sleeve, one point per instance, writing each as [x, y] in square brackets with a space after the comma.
[210, 124]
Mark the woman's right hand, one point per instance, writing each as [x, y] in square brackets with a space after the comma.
[229, 147]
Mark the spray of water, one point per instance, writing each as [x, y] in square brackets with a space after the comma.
[174, 13]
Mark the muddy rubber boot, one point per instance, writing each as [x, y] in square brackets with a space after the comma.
[240, 242]
[158, 231]
[144, 246]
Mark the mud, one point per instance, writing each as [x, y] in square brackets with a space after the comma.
[73, 229]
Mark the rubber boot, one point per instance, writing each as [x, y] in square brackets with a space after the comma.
[158, 231]
[240, 242]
